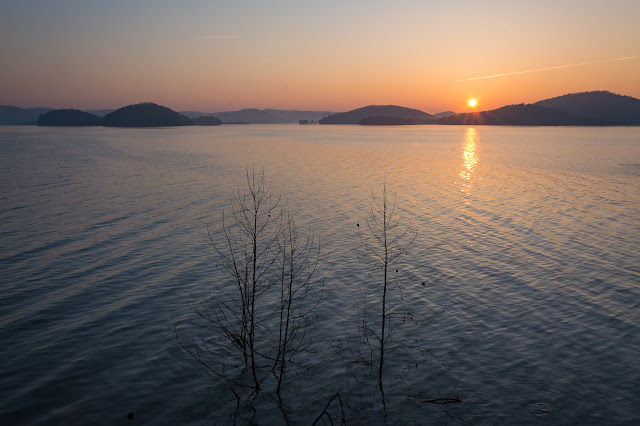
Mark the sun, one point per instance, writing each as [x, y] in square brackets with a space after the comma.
[472, 103]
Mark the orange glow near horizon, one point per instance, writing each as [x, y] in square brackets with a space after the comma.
[211, 58]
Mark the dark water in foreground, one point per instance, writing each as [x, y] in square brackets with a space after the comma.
[528, 238]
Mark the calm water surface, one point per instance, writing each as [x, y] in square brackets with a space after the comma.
[528, 241]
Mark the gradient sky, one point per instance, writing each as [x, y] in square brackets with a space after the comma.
[323, 55]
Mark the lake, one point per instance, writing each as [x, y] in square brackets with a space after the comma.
[524, 273]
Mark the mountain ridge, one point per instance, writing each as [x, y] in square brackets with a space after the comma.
[593, 108]
[12, 115]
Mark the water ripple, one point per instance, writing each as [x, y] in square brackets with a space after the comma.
[525, 266]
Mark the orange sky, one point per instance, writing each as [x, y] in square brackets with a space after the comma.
[332, 55]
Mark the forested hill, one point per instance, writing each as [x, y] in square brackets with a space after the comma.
[68, 117]
[602, 106]
[519, 115]
[379, 112]
[599, 108]
[145, 114]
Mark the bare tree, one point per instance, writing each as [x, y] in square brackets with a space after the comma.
[385, 237]
[251, 330]
[298, 263]
[257, 312]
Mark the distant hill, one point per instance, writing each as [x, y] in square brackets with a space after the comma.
[294, 116]
[576, 109]
[443, 114]
[99, 112]
[262, 116]
[146, 114]
[605, 107]
[598, 108]
[206, 120]
[250, 115]
[390, 111]
[194, 114]
[519, 115]
[16, 115]
[68, 117]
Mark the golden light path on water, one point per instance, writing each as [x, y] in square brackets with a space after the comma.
[469, 159]
[469, 163]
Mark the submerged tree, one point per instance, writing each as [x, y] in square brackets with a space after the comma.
[385, 238]
[252, 328]
[257, 312]
[298, 263]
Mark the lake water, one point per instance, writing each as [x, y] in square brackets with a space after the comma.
[528, 242]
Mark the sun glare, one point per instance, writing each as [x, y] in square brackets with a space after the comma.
[472, 103]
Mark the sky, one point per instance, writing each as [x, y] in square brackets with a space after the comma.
[331, 55]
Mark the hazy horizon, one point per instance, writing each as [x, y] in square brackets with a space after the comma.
[332, 56]
[278, 109]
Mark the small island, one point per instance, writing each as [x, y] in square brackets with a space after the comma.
[145, 114]
[393, 115]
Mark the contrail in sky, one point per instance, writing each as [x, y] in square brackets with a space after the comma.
[550, 68]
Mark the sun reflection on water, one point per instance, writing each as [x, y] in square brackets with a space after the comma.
[469, 163]
[469, 159]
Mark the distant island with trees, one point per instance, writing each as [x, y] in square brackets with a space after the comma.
[598, 108]
[382, 114]
[145, 114]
